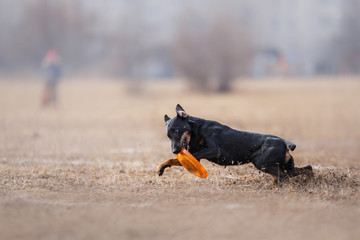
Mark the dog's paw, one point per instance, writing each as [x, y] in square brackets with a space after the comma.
[160, 170]
[309, 172]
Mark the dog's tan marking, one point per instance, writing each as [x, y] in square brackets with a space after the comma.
[275, 179]
[287, 155]
[187, 135]
[201, 142]
[274, 176]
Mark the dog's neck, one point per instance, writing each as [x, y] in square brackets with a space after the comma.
[195, 124]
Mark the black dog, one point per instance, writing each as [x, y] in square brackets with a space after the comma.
[225, 146]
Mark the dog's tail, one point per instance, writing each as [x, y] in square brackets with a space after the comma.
[290, 145]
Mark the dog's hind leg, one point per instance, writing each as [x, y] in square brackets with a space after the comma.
[166, 164]
[277, 174]
[271, 161]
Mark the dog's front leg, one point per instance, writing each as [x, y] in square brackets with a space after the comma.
[166, 164]
[206, 154]
[210, 151]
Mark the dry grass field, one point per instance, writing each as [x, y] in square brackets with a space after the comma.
[87, 169]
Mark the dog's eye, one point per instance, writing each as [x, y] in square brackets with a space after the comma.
[176, 130]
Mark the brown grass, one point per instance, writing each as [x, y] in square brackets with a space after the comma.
[86, 170]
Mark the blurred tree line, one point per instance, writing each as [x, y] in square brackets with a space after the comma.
[43, 25]
[210, 48]
[205, 51]
[212, 51]
[349, 39]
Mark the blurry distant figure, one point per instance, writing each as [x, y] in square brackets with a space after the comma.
[280, 68]
[51, 66]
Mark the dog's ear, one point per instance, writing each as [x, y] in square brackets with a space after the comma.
[167, 119]
[181, 112]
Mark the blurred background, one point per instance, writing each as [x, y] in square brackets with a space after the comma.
[210, 42]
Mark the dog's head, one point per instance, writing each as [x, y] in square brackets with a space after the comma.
[178, 130]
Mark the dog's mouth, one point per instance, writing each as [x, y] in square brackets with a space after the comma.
[185, 144]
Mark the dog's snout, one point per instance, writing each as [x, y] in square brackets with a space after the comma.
[176, 150]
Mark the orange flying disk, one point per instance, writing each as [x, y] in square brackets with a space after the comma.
[191, 164]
